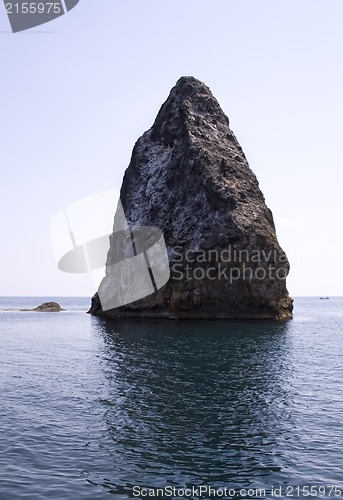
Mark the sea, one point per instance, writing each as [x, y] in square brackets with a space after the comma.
[170, 409]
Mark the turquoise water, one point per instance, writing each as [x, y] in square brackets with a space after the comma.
[91, 408]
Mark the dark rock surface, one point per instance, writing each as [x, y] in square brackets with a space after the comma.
[189, 177]
[48, 307]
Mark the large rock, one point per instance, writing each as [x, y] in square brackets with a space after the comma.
[189, 177]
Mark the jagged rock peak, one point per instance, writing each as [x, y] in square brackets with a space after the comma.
[191, 111]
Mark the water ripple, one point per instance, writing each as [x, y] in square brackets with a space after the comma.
[92, 408]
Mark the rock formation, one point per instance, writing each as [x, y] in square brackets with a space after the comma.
[48, 307]
[189, 177]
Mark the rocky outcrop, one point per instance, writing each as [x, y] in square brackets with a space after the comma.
[48, 307]
[189, 177]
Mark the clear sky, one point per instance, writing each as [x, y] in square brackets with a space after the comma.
[78, 92]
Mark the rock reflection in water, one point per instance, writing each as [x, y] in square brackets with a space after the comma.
[196, 402]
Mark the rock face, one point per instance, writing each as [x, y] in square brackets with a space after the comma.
[189, 177]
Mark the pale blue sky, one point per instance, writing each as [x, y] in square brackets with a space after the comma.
[78, 92]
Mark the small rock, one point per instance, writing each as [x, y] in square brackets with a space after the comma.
[49, 307]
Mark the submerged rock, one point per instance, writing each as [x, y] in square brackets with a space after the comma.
[48, 307]
[189, 177]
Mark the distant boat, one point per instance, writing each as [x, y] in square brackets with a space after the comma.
[324, 298]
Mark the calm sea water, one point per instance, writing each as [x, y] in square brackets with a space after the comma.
[91, 408]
